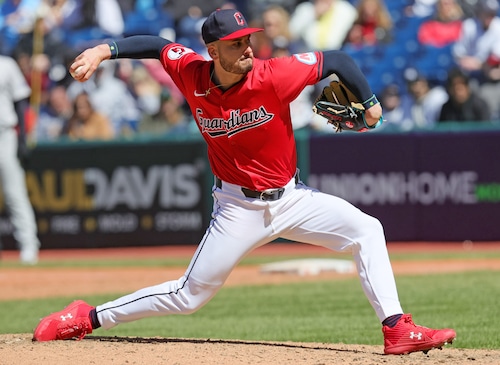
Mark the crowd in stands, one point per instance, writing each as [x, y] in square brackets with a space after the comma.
[429, 61]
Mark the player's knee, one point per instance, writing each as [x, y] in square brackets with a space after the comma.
[372, 227]
[195, 295]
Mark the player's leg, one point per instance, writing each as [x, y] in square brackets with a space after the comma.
[13, 182]
[329, 221]
[237, 227]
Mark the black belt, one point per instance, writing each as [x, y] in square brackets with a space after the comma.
[267, 195]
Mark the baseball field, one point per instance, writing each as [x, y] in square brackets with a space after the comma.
[258, 317]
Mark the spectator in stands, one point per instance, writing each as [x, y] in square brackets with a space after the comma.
[489, 90]
[463, 104]
[254, 8]
[179, 8]
[420, 8]
[275, 20]
[426, 8]
[444, 27]
[374, 22]
[276, 25]
[53, 115]
[86, 123]
[145, 89]
[83, 21]
[110, 97]
[108, 16]
[147, 17]
[425, 101]
[477, 49]
[354, 40]
[158, 73]
[171, 119]
[479, 37]
[396, 113]
[323, 24]
[35, 71]
[16, 17]
[46, 47]
[189, 29]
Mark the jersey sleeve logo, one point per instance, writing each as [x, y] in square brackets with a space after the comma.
[307, 58]
[176, 52]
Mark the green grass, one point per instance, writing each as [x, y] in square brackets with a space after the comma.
[250, 260]
[445, 255]
[323, 311]
[106, 262]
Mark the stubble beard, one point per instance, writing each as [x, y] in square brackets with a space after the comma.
[240, 67]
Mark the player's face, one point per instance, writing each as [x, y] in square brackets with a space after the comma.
[236, 56]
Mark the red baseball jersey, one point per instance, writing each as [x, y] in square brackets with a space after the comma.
[247, 128]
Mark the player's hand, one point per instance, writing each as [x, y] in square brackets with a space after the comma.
[373, 114]
[470, 63]
[87, 62]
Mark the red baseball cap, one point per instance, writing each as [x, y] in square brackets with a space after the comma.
[225, 24]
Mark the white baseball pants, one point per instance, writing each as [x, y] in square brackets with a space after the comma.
[242, 224]
[13, 185]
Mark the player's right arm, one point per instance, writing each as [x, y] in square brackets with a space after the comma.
[136, 47]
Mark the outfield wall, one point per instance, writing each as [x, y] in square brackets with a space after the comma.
[432, 186]
[422, 186]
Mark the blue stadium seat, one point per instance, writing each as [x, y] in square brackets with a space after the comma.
[147, 22]
[434, 62]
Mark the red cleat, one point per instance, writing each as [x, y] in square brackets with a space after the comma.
[72, 322]
[406, 337]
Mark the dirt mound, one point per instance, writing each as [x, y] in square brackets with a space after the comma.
[19, 349]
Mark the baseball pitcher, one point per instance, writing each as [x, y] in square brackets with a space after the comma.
[241, 107]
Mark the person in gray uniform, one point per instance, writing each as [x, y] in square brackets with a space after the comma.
[14, 97]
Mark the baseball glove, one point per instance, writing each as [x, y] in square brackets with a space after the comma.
[342, 109]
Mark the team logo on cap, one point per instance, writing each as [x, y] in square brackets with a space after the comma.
[239, 19]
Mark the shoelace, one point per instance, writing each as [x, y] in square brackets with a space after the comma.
[78, 331]
[82, 334]
[409, 320]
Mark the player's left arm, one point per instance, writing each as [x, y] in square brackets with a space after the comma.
[135, 47]
[341, 64]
